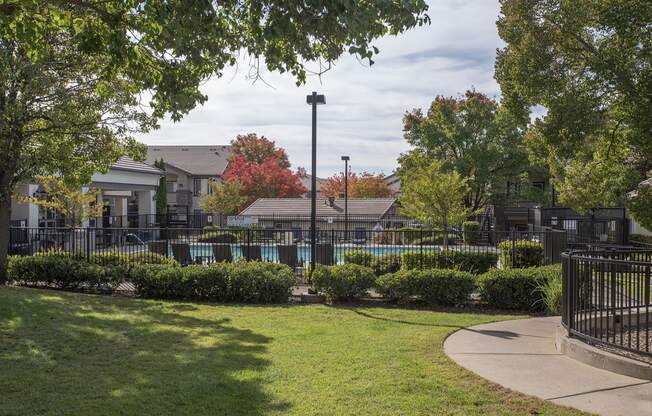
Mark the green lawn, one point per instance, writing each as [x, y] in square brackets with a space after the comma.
[63, 353]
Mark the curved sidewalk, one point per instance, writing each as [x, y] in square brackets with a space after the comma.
[521, 356]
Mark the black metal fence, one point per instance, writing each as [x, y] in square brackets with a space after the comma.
[387, 248]
[606, 298]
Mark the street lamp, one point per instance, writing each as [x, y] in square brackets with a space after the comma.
[346, 196]
[314, 99]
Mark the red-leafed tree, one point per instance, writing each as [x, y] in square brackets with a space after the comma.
[366, 185]
[262, 169]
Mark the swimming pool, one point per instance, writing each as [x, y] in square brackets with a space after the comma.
[269, 252]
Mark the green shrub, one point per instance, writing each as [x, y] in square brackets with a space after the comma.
[551, 293]
[517, 288]
[386, 263]
[249, 282]
[346, 281]
[434, 286]
[131, 259]
[163, 282]
[259, 282]
[360, 257]
[474, 262]
[520, 253]
[64, 271]
[470, 231]
[218, 237]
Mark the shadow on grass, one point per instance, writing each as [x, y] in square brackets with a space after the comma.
[78, 354]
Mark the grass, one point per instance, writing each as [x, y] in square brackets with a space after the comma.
[65, 353]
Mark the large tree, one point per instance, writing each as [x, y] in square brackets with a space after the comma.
[365, 185]
[73, 73]
[473, 136]
[588, 65]
[262, 169]
[433, 196]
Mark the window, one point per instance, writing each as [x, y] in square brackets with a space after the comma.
[196, 187]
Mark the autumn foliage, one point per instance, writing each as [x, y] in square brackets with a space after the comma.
[262, 169]
[365, 185]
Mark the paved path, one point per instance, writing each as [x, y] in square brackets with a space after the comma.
[521, 356]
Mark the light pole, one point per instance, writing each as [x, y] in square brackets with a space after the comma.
[346, 197]
[314, 99]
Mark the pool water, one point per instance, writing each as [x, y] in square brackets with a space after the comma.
[269, 252]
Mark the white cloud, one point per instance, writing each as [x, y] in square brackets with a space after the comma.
[365, 105]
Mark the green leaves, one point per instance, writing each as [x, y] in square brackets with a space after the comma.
[588, 63]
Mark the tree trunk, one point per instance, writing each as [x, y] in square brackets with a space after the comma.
[5, 216]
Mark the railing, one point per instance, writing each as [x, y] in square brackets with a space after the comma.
[606, 298]
[289, 246]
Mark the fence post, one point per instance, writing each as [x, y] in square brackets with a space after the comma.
[88, 242]
[513, 251]
[167, 238]
[420, 248]
[333, 261]
[248, 253]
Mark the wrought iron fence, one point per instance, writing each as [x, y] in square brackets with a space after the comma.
[606, 297]
[385, 250]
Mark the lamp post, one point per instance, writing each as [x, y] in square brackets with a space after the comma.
[346, 197]
[314, 99]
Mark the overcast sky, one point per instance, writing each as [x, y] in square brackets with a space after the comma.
[364, 105]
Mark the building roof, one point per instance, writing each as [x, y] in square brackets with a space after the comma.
[299, 207]
[128, 164]
[195, 160]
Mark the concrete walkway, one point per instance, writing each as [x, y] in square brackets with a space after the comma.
[521, 356]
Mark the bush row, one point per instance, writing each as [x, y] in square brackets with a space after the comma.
[152, 276]
[449, 259]
[473, 262]
[531, 289]
[385, 263]
[433, 287]
[249, 282]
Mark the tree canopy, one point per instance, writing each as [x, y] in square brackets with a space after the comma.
[588, 65]
[365, 185]
[262, 169]
[432, 196]
[473, 136]
[79, 78]
[226, 198]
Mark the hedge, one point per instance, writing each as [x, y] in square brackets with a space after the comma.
[474, 262]
[359, 257]
[386, 263]
[63, 271]
[434, 286]
[131, 259]
[248, 282]
[346, 281]
[518, 289]
[520, 253]
[218, 237]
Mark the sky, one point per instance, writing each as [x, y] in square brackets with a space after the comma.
[365, 104]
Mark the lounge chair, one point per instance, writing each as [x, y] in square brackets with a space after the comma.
[181, 253]
[287, 254]
[324, 254]
[251, 252]
[222, 253]
[158, 247]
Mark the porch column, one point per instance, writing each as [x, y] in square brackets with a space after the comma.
[121, 211]
[146, 207]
